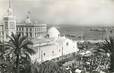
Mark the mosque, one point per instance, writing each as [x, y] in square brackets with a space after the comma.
[53, 46]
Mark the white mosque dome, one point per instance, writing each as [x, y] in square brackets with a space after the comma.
[53, 32]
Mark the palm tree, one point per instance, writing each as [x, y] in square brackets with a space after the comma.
[1, 50]
[19, 45]
[108, 47]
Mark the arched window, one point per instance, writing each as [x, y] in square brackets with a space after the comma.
[44, 54]
[67, 43]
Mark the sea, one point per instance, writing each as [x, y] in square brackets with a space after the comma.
[77, 32]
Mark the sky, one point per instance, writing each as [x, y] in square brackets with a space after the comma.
[76, 12]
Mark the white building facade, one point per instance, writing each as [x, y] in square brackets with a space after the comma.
[27, 28]
[32, 30]
[52, 47]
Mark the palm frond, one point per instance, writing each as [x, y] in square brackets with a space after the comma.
[18, 36]
[22, 39]
[10, 45]
[29, 50]
[13, 36]
[12, 40]
[26, 43]
[28, 57]
[107, 44]
[106, 47]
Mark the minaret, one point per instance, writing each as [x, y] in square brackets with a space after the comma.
[9, 22]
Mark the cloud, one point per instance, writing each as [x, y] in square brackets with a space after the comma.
[88, 12]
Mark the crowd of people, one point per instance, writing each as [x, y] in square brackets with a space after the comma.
[96, 63]
[91, 64]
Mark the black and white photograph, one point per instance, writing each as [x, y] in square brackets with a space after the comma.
[56, 36]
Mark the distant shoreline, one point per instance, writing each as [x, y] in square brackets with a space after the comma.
[74, 31]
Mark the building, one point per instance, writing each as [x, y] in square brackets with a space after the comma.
[27, 28]
[9, 23]
[53, 46]
[30, 29]
[47, 44]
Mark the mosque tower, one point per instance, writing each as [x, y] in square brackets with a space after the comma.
[9, 22]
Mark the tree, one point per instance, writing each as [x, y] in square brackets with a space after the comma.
[51, 67]
[1, 51]
[107, 47]
[19, 45]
